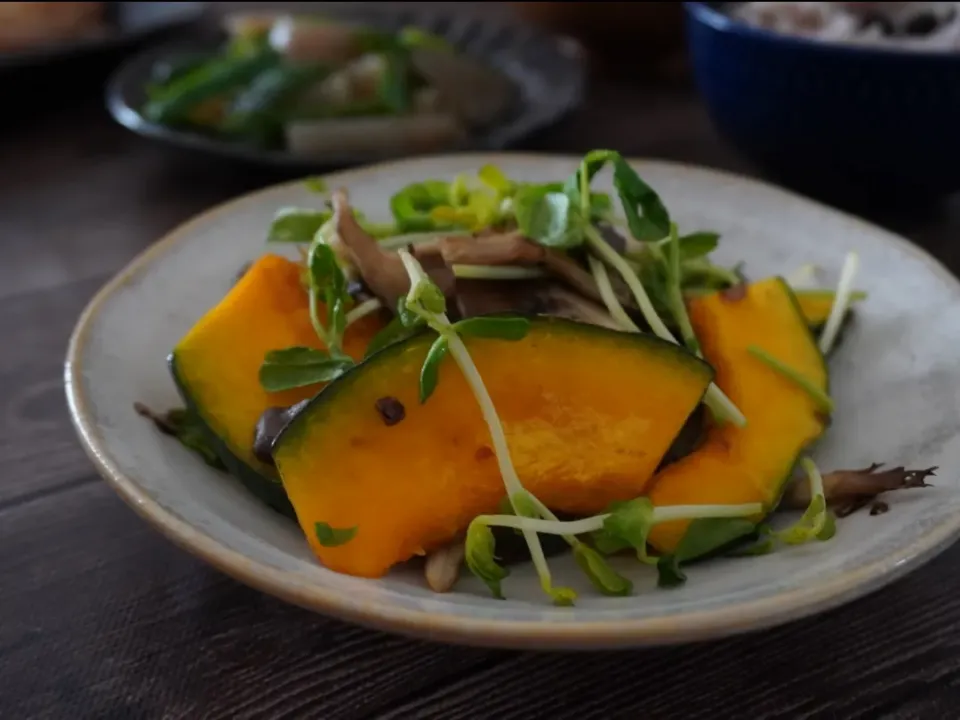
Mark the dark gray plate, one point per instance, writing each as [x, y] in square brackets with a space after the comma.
[127, 22]
[549, 73]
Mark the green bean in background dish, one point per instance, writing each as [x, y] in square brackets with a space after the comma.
[258, 113]
[173, 103]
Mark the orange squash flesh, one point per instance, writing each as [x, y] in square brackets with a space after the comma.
[217, 362]
[588, 414]
[749, 464]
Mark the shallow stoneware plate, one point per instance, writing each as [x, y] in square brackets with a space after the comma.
[895, 380]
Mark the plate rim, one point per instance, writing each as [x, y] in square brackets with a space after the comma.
[686, 627]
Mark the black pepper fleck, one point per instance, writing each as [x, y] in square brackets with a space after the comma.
[391, 410]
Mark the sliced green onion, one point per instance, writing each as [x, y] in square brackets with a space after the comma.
[841, 302]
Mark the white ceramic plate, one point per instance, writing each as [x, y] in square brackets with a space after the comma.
[895, 380]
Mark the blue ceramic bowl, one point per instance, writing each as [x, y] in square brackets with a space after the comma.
[886, 122]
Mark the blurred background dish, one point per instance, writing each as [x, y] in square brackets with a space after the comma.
[831, 118]
[36, 33]
[628, 38]
[358, 85]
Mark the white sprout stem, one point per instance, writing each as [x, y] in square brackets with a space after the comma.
[462, 357]
[367, 307]
[496, 272]
[313, 300]
[841, 302]
[613, 258]
[714, 398]
[609, 297]
[676, 294]
[458, 351]
[664, 514]
[816, 489]
[511, 481]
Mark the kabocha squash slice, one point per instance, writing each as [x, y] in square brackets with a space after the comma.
[749, 464]
[216, 364]
[816, 305]
[588, 413]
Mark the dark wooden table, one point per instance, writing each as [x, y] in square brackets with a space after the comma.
[100, 617]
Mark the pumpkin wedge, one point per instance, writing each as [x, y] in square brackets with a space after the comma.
[216, 364]
[749, 464]
[588, 414]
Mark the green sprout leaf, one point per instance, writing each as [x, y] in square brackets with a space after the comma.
[595, 567]
[524, 505]
[299, 367]
[394, 332]
[500, 328]
[647, 216]
[295, 225]
[829, 528]
[324, 270]
[480, 548]
[428, 296]
[627, 526]
[816, 523]
[430, 372]
[669, 574]
[562, 596]
[187, 428]
[703, 537]
[333, 537]
[707, 535]
[807, 528]
[408, 318]
[548, 218]
[698, 244]
[765, 544]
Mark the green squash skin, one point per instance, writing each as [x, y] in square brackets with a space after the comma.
[315, 408]
[265, 488]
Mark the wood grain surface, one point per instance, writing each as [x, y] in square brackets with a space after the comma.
[100, 617]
